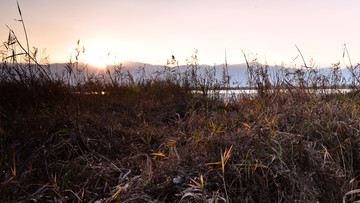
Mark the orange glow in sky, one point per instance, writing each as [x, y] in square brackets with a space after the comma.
[152, 31]
[101, 56]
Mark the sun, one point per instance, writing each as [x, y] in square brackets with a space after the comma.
[99, 60]
[100, 57]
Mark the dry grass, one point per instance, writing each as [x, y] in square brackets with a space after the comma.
[157, 143]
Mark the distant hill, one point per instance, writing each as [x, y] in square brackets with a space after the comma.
[238, 72]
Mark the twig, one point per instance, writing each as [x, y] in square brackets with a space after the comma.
[351, 68]
[79, 199]
[301, 56]
[123, 177]
[347, 53]
[26, 36]
[247, 62]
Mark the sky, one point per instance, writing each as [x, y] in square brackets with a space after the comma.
[151, 31]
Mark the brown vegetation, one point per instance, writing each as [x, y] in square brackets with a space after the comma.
[158, 142]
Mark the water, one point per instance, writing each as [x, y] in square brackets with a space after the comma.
[247, 92]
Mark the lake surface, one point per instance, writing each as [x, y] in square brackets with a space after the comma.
[246, 92]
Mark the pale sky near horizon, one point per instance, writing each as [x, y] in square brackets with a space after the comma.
[151, 31]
